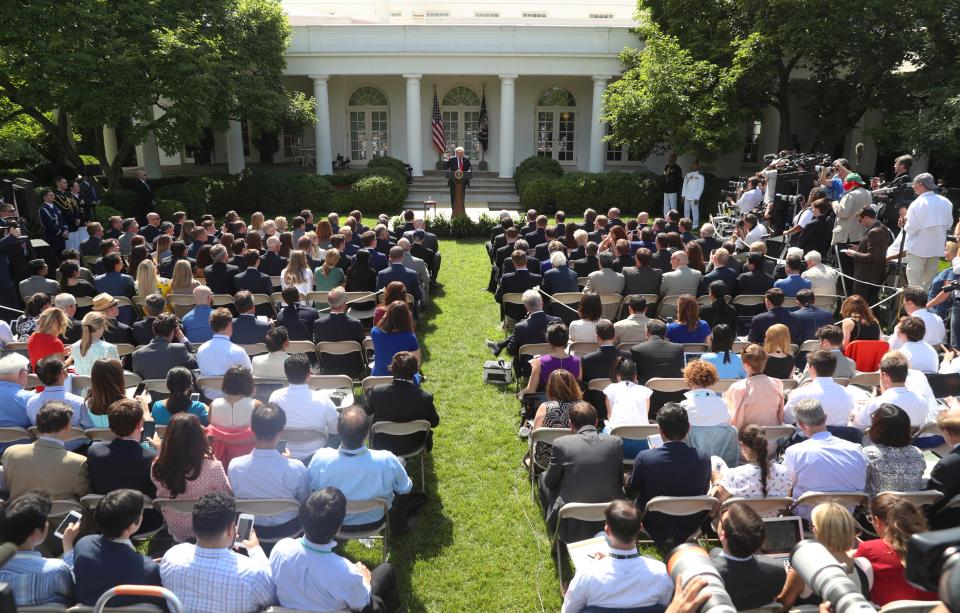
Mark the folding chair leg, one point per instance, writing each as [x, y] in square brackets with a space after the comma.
[558, 546]
[423, 470]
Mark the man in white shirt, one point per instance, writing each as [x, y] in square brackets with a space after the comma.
[751, 198]
[750, 232]
[692, 190]
[210, 577]
[823, 463]
[304, 407]
[835, 400]
[266, 473]
[893, 385]
[921, 356]
[929, 219]
[217, 355]
[619, 577]
[915, 304]
[310, 576]
[822, 279]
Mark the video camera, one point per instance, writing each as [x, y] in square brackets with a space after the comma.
[827, 577]
[791, 199]
[793, 161]
[932, 564]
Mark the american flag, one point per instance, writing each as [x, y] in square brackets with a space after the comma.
[439, 142]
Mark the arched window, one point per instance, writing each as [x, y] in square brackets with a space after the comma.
[460, 108]
[368, 113]
[556, 125]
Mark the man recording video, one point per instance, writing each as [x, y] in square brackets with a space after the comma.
[750, 199]
[749, 231]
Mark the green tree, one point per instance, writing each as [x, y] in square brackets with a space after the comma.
[112, 62]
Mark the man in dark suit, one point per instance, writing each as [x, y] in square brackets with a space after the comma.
[298, 319]
[533, 264]
[383, 240]
[533, 329]
[430, 257]
[818, 234]
[708, 240]
[115, 283]
[599, 230]
[155, 360]
[255, 282]
[460, 163]
[642, 278]
[116, 331]
[755, 281]
[178, 251]
[560, 277]
[589, 263]
[869, 258]
[655, 474]
[151, 230]
[91, 246]
[378, 261]
[776, 314]
[811, 317]
[272, 263]
[124, 462]
[945, 476]
[599, 364]
[153, 305]
[516, 282]
[407, 226]
[88, 190]
[720, 272]
[398, 272]
[586, 466]
[539, 234]
[219, 276]
[402, 401]
[247, 329]
[663, 255]
[507, 249]
[144, 196]
[752, 582]
[657, 357]
[337, 326]
[542, 251]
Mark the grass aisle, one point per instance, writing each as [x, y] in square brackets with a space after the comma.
[480, 544]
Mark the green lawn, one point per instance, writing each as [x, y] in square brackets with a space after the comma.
[480, 543]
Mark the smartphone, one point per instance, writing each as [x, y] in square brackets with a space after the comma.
[149, 429]
[71, 518]
[244, 526]
[282, 445]
[195, 397]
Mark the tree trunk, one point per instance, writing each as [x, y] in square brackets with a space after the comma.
[784, 106]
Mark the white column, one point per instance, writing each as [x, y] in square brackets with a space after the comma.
[235, 161]
[148, 156]
[414, 128]
[508, 119]
[597, 128]
[110, 143]
[322, 127]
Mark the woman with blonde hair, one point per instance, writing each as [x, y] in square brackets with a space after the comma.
[91, 346]
[780, 360]
[256, 224]
[281, 223]
[149, 282]
[324, 231]
[45, 339]
[688, 328]
[186, 231]
[859, 323]
[329, 275]
[182, 281]
[835, 529]
[758, 399]
[297, 273]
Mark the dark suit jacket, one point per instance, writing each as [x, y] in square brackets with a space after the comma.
[657, 357]
[708, 244]
[661, 260]
[533, 329]
[155, 360]
[502, 254]
[339, 327]
[811, 319]
[585, 467]
[558, 280]
[453, 165]
[149, 233]
[751, 583]
[597, 235]
[429, 256]
[945, 477]
[378, 261]
[586, 266]
[655, 474]
[817, 235]
[239, 261]
[100, 564]
[91, 246]
[533, 264]
[515, 283]
[255, 282]
[722, 273]
[540, 251]
[536, 238]
[399, 272]
[120, 464]
[144, 198]
[165, 269]
[119, 333]
[219, 277]
[641, 280]
[143, 331]
[117, 284]
[272, 264]
[298, 321]
[247, 330]
[754, 283]
[870, 260]
[401, 401]
[778, 315]
[597, 364]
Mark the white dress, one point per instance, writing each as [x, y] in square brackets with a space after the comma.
[226, 415]
[306, 286]
[101, 349]
[583, 330]
[744, 481]
[629, 404]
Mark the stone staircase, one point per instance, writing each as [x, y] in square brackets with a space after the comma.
[487, 191]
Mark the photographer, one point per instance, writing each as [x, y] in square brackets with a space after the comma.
[749, 231]
[816, 235]
[894, 194]
[750, 199]
[847, 228]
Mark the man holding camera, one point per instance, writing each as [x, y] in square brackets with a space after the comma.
[895, 193]
[749, 231]
[750, 199]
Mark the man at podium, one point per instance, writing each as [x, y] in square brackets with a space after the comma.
[459, 173]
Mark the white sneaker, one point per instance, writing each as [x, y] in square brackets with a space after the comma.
[524, 431]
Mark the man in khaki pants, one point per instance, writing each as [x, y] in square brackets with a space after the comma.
[929, 219]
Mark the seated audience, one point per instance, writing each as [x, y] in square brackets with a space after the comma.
[590, 310]
[633, 327]
[248, 329]
[91, 347]
[557, 359]
[45, 340]
[780, 360]
[893, 387]
[754, 281]
[794, 281]
[270, 365]
[688, 328]
[811, 317]
[776, 314]
[401, 400]
[560, 278]
[823, 280]
[893, 464]
[562, 392]
[606, 280]
[719, 311]
[760, 476]
[243, 583]
[704, 407]
[515, 282]
[823, 462]
[13, 398]
[218, 355]
[627, 403]
[654, 473]
[858, 323]
[155, 360]
[268, 473]
[310, 576]
[234, 407]
[153, 305]
[32, 579]
[52, 373]
[597, 364]
[196, 323]
[657, 357]
[297, 318]
[945, 475]
[623, 580]
[837, 401]
[586, 466]
[642, 278]
[533, 329]
[721, 355]
[920, 355]
[751, 581]
[185, 468]
[720, 271]
[362, 473]
[835, 529]
[180, 385]
[103, 561]
[392, 335]
[915, 304]
[395, 291]
[831, 339]
[758, 399]
[304, 407]
[682, 279]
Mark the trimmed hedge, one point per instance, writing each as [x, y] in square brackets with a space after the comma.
[120, 199]
[103, 213]
[461, 226]
[536, 167]
[575, 192]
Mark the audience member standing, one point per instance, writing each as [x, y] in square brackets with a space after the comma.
[929, 219]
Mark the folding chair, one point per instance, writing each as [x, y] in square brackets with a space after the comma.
[582, 282]
[841, 381]
[254, 349]
[775, 433]
[276, 280]
[76, 433]
[611, 306]
[788, 384]
[44, 608]
[306, 436]
[213, 383]
[683, 506]
[100, 434]
[181, 303]
[582, 348]
[261, 299]
[155, 385]
[866, 379]
[561, 304]
[89, 504]
[13, 434]
[639, 432]
[771, 504]
[342, 348]
[330, 382]
[134, 608]
[355, 300]
[302, 347]
[598, 384]
[18, 347]
[825, 302]
[79, 383]
[668, 306]
[268, 507]
[545, 436]
[909, 606]
[381, 531]
[371, 382]
[320, 297]
[131, 379]
[921, 499]
[695, 347]
[32, 379]
[393, 428]
[511, 299]
[847, 499]
[748, 300]
[662, 384]
[810, 345]
[60, 508]
[582, 511]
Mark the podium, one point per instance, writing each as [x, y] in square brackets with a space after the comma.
[458, 183]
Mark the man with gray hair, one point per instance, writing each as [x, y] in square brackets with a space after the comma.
[272, 262]
[605, 280]
[68, 304]
[823, 280]
[929, 219]
[219, 275]
[533, 329]
[153, 305]
[708, 240]
[682, 279]
[559, 278]
[196, 323]
[823, 462]
[418, 266]
[13, 398]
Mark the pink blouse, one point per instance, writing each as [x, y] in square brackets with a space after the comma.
[212, 479]
[755, 400]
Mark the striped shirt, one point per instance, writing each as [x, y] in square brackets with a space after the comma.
[36, 580]
[217, 580]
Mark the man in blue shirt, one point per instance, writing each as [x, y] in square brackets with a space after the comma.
[196, 323]
[13, 398]
[793, 283]
[361, 473]
[52, 374]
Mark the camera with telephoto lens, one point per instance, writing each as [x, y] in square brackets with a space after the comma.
[735, 185]
[933, 564]
[827, 577]
[790, 198]
[728, 193]
[951, 286]
[689, 561]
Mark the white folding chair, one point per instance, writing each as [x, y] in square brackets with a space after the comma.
[921, 499]
[100, 434]
[611, 306]
[380, 531]
[582, 511]
[13, 434]
[866, 379]
[582, 348]
[268, 507]
[770, 504]
[342, 348]
[598, 384]
[847, 499]
[775, 433]
[392, 428]
[683, 506]
[254, 349]
[545, 436]
[659, 384]
[668, 306]
[639, 432]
